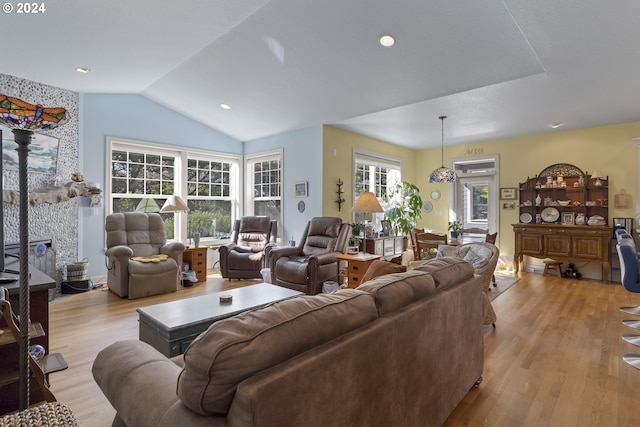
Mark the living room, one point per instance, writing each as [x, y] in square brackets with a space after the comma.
[320, 155]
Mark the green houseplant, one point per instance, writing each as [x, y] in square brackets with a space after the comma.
[356, 230]
[455, 227]
[404, 214]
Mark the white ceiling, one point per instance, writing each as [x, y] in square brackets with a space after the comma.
[498, 69]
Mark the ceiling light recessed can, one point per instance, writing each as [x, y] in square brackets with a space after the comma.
[225, 106]
[387, 41]
[83, 70]
[556, 125]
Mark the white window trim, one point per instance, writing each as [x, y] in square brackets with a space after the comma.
[249, 160]
[181, 154]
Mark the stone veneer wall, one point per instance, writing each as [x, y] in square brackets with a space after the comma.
[58, 222]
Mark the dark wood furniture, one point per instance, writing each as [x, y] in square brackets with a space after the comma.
[170, 327]
[357, 265]
[197, 259]
[39, 285]
[563, 242]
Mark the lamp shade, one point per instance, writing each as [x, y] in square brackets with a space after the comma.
[147, 205]
[367, 202]
[174, 204]
[442, 175]
[597, 174]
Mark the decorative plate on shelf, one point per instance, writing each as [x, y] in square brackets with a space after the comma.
[550, 215]
[525, 218]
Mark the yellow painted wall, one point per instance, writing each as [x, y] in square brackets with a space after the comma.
[608, 148]
[341, 166]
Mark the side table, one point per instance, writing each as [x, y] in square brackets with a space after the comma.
[357, 265]
[197, 259]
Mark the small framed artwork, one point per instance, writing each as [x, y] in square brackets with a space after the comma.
[301, 189]
[508, 193]
[568, 218]
[508, 205]
[386, 227]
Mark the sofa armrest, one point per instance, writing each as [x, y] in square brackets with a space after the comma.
[140, 383]
[118, 254]
[174, 250]
[279, 252]
[324, 259]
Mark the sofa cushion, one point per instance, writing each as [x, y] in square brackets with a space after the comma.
[236, 348]
[448, 270]
[380, 268]
[478, 255]
[452, 251]
[396, 290]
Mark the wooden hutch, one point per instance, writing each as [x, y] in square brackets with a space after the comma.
[564, 215]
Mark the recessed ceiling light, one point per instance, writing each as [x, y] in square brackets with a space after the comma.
[387, 41]
[225, 106]
[83, 70]
[556, 125]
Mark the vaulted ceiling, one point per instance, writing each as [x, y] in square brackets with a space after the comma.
[497, 69]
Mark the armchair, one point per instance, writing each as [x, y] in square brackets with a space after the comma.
[305, 267]
[242, 258]
[140, 262]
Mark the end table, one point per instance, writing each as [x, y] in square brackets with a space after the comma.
[357, 265]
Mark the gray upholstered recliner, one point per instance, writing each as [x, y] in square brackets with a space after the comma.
[307, 266]
[242, 258]
[136, 245]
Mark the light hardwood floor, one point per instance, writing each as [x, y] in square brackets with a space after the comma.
[554, 358]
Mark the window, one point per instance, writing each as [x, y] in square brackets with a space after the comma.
[264, 185]
[143, 175]
[376, 173]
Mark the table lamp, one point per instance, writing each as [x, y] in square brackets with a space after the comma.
[597, 175]
[367, 203]
[175, 204]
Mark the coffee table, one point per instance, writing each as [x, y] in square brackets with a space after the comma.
[170, 327]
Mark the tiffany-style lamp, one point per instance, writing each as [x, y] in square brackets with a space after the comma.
[23, 119]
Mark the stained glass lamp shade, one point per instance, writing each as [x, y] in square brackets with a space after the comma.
[442, 175]
[18, 114]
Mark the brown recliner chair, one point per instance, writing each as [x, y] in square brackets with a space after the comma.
[305, 267]
[140, 262]
[242, 258]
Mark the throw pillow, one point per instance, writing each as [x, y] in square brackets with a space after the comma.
[380, 268]
[478, 255]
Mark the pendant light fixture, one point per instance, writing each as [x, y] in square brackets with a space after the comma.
[442, 175]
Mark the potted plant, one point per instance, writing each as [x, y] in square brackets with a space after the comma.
[455, 227]
[354, 239]
[406, 211]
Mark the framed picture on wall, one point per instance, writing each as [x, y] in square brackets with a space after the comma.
[508, 205]
[508, 193]
[301, 189]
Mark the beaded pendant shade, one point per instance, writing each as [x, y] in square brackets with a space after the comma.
[442, 175]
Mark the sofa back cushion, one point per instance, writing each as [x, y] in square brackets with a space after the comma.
[396, 290]
[380, 268]
[234, 349]
[448, 270]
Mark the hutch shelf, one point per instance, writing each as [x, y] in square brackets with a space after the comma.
[564, 215]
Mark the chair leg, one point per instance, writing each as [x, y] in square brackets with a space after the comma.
[493, 281]
[632, 359]
[631, 310]
[635, 324]
[632, 339]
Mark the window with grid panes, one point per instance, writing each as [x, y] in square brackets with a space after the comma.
[376, 173]
[143, 175]
[264, 195]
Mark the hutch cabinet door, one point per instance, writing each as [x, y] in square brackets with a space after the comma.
[587, 246]
[557, 245]
[530, 244]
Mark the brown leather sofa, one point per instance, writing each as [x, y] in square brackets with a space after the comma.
[307, 266]
[400, 350]
[242, 258]
[133, 238]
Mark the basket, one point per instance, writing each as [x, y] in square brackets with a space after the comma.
[77, 270]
